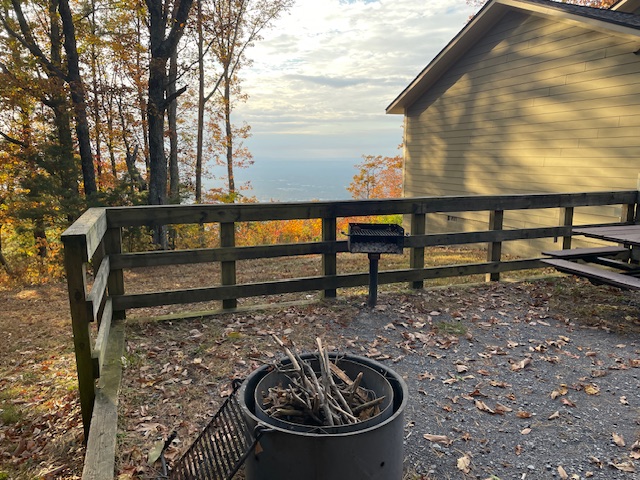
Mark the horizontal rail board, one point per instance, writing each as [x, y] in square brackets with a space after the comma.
[432, 240]
[206, 294]
[88, 230]
[157, 258]
[99, 287]
[100, 348]
[199, 214]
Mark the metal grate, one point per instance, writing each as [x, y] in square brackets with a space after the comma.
[222, 447]
[376, 238]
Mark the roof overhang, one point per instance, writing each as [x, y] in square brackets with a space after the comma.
[484, 20]
[628, 6]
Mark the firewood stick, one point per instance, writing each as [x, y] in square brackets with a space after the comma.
[366, 405]
[321, 396]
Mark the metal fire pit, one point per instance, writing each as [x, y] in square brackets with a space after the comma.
[373, 452]
[374, 239]
[239, 434]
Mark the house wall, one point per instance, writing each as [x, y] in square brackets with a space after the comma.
[537, 105]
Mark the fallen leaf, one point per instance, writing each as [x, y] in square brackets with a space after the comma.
[155, 452]
[462, 368]
[523, 414]
[464, 463]
[502, 409]
[525, 431]
[480, 405]
[562, 473]
[591, 389]
[518, 449]
[623, 400]
[520, 365]
[559, 392]
[625, 467]
[568, 402]
[618, 440]
[438, 438]
[554, 415]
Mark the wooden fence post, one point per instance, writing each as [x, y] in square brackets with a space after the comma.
[329, 260]
[113, 246]
[228, 268]
[75, 261]
[494, 249]
[566, 220]
[416, 256]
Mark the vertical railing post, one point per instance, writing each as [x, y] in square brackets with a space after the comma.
[566, 220]
[329, 260]
[494, 249]
[75, 261]
[416, 256]
[228, 268]
[113, 246]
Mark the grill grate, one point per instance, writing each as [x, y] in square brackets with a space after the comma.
[221, 448]
[376, 238]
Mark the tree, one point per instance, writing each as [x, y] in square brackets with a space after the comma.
[69, 73]
[237, 24]
[162, 48]
[377, 177]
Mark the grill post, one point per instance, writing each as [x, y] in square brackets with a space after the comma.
[373, 278]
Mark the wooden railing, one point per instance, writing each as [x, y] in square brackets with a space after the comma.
[96, 238]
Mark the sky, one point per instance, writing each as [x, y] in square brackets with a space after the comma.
[326, 70]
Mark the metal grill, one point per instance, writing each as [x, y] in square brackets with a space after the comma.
[376, 238]
[222, 447]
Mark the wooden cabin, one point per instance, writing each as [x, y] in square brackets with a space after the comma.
[531, 96]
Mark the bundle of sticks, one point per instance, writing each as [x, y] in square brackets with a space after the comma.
[325, 396]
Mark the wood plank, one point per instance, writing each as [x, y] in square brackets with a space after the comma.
[184, 214]
[463, 238]
[329, 259]
[586, 253]
[494, 249]
[416, 260]
[99, 287]
[100, 348]
[313, 284]
[177, 257]
[627, 234]
[594, 273]
[228, 268]
[75, 268]
[88, 230]
[99, 463]
[113, 246]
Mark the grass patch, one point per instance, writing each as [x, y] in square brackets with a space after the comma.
[10, 415]
[451, 328]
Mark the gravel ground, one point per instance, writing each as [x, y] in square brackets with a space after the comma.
[510, 385]
[529, 380]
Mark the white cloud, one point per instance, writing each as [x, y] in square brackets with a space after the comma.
[324, 74]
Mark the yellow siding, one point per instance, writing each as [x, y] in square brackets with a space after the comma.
[538, 105]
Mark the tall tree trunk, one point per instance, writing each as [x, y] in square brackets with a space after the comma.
[78, 99]
[155, 117]
[59, 104]
[161, 50]
[229, 136]
[172, 118]
[201, 104]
